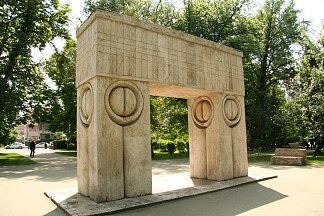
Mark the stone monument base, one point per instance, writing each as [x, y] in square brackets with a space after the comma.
[73, 203]
[289, 157]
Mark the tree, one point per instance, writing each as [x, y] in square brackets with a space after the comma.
[270, 64]
[169, 121]
[25, 25]
[159, 12]
[306, 92]
[62, 110]
[212, 20]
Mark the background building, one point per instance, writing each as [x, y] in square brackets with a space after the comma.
[37, 132]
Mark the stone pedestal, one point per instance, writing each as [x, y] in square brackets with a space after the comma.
[289, 157]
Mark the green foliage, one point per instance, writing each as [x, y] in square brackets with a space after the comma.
[24, 26]
[306, 92]
[171, 148]
[160, 12]
[14, 159]
[268, 37]
[71, 146]
[182, 146]
[60, 135]
[169, 121]
[60, 144]
[61, 112]
[213, 20]
[268, 67]
[6, 135]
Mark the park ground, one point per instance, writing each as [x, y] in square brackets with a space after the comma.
[296, 191]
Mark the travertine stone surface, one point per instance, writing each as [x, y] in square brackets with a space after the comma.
[120, 63]
[117, 45]
[239, 150]
[291, 157]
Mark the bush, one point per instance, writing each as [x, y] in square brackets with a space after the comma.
[171, 148]
[182, 147]
[72, 140]
[60, 144]
[71, 146]
[162, 145]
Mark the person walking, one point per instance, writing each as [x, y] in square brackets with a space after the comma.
[32, 147]
[312, 143]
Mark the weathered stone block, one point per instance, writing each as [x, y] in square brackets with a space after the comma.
[287, 160]
[290, 157]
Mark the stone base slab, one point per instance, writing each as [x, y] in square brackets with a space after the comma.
[73, 203]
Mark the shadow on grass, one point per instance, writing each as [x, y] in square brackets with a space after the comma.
[67, 153]
[167, 156]
[14, 159]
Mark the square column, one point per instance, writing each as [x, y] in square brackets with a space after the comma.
[240, 160]
[114, 139]
[219, 143]
[217, 137]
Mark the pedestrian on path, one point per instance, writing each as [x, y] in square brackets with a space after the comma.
[32, 148]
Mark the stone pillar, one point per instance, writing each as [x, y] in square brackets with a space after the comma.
[240, 160]
[219, 143]
[198, 111]
[114, 139]
[217, 137]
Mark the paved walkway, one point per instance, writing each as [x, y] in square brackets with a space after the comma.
[296, 191]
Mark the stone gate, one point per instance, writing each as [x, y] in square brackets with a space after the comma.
[121, 61]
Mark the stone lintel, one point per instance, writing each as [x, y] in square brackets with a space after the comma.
[122, 18]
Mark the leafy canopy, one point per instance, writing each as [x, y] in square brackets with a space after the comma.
[24, 26]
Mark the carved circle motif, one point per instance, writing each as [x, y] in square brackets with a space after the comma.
[86, 104]
[231, 110]
[123, 102]
[203, 112]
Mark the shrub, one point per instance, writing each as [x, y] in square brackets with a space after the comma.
[182, 147]
[71, 146]
[162, 145]
[60, 144]
[171, 148]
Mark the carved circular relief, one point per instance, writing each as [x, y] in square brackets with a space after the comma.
[86, 104]
[231, 110]
[124, 102]
[203, 111]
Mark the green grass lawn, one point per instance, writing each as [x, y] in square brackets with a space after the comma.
[167, 156]
[157, 155]
[267, 158]
[176, 155]
[67, 153]
[13, 159]
[317, 159]
[259, 158]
